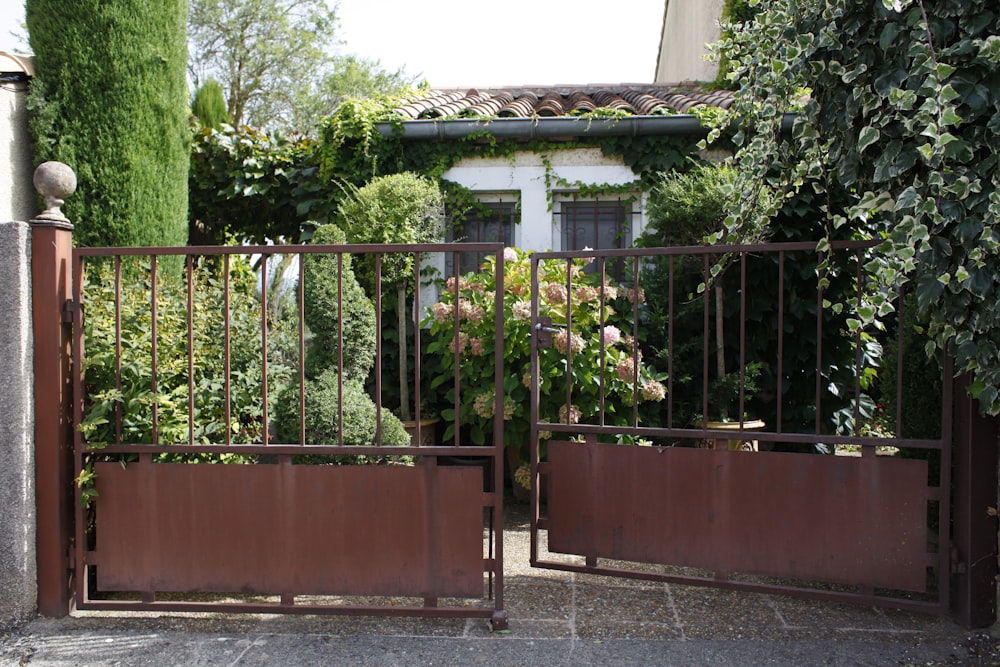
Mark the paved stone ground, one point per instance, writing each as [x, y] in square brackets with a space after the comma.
[556, 618]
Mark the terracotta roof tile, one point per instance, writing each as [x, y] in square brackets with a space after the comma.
[526, 102]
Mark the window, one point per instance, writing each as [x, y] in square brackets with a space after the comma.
[598, 225]
[487, 222]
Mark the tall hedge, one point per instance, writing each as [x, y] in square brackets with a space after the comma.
[110, 100]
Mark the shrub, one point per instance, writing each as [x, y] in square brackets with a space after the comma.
[322, 312]
[136, 397]
[322, 417]
[475, 343]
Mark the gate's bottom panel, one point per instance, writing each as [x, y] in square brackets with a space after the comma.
[811, 517]
[294, 529]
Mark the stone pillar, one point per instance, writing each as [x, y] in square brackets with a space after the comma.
[17, 469]
[51, 288]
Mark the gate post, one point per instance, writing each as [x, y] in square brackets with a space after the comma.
[51, 288]
[974, 528]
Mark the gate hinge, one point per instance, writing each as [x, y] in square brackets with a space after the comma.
[70, 309]
[71, 556]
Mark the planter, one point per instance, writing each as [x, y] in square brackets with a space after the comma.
[428, 431]
[736, 444]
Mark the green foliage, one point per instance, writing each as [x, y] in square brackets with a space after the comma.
[334, 316]
[904, 112]
[255, 187]
[209, 106]
[110, 100]
[397, 208]
[684, 208]
[922, 379]
[352, 317]
[323, 416]
[596, 313]
[135, 400]
[266, 53]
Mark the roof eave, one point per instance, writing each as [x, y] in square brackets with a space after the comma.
[555, 128]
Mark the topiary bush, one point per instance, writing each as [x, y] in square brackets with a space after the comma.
[324, 314]
[323, 414]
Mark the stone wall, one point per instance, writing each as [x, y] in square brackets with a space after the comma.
[17, 469]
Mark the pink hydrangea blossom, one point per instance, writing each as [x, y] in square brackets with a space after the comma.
[653, 390]
[611, 334]
[561, 337]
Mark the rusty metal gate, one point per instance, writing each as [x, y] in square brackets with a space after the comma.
[626, 482]
[182, 514]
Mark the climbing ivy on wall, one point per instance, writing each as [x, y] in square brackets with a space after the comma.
[904, 112]
[251, 185]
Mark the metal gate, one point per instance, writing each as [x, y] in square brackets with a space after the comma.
[183, 515]
[626, 482]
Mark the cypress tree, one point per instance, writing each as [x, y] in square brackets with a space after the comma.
[110, 100]
[209, 105]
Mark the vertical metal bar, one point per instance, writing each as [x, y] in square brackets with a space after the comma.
[118, 346]
[190, 346]
[781, 341]
[860, 282]
[498, 428]
[900, 352]
[456, 342]
[670, 341]
[416, 343]
[819, 350]
[743, 335]
[967, 412]
[533, 407]
[569, 338]
[706, 330]
[263, 346]
[302, 347]
[340, 349]
[635, 339]
[79, 511]
[602, 271]
[153, 333]
[227, 355]
[378, 348]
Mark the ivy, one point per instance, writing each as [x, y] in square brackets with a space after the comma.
[250, 185]
[903, 112]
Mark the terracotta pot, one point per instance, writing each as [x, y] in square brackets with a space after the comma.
[733, 444]
[428, 431]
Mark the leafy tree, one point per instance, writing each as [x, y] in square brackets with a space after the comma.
[266, 54]
[255, 186]
[903, 111]
[209, 106]
[110, 100]
[350, 77]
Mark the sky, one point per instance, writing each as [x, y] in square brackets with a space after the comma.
[457, 43]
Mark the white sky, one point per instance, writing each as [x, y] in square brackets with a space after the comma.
[462, 43]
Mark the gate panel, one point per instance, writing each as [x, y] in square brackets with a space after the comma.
[834, 519]
[290, 528]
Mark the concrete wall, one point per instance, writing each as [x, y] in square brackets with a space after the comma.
[688, 25]
[17, 196]
[17, 469]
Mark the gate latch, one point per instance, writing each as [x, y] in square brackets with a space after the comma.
[544, 330]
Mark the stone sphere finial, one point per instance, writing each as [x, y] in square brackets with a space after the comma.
[55, 181]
